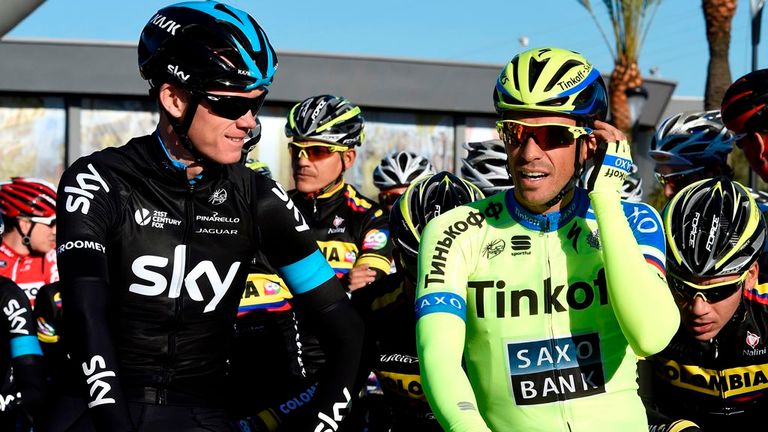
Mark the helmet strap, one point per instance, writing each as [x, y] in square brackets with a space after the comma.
[26, 239]
[577, 165]
[181, 128]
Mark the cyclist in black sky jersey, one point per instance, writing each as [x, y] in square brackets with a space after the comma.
[155, 239]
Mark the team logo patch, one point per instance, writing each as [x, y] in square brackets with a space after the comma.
[218, 197]
[375, 239]
[752, 339]
[142, 216]
[549, 370]
[271, 288]
[337, 228]
[494, 248]
[350, 257]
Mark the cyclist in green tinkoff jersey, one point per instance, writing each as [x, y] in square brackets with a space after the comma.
[549, 292]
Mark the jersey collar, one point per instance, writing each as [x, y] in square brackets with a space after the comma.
[550, 221]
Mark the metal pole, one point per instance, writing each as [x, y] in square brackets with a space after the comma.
[756, 8]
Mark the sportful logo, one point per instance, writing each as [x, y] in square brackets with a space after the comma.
[520, 244]
[157, 283]
[218, 197]
[85, 182]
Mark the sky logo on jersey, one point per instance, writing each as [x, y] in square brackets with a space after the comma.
[375, 239]
[554, 370]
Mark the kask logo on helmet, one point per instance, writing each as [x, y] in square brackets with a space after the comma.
[166, 24]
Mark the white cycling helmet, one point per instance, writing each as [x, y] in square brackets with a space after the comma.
[400, 168]
[486, 166]
[631, 190]
[692, 138]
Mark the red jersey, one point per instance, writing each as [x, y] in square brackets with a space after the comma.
[30, 272]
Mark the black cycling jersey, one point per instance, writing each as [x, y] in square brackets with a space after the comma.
[350, 229]
[390, 322]
[721, 384]
[152, 269]
[22, 388]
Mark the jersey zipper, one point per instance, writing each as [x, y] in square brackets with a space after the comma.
[548, 236]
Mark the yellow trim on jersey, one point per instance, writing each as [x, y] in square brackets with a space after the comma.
[387, 299]
[335, 252]
[725, 383]
[256, 293]
[375, 261]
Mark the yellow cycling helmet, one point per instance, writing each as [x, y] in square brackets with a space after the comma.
[551, 80]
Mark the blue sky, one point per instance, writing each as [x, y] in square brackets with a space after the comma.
[478, 31]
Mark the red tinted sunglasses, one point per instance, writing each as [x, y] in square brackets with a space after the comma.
[515, 133]
[389, 198]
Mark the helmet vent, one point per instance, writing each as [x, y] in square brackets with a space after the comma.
[535, 68]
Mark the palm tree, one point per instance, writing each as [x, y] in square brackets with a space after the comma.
[718, 15]
[630, 21]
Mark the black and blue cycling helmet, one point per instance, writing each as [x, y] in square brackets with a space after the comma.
[206, 45]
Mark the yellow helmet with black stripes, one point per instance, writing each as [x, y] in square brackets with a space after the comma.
[551, 80]
[713, 228]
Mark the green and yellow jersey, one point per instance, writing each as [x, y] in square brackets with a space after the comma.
[549, 332]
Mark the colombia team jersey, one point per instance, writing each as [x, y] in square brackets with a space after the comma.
[544, 350]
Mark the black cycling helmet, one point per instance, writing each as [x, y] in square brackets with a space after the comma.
[400, 168]
[486, 166]
[713, 228]
[551, 80]
[326, 118]
[745, 101]
[206, 45]
[425, 199]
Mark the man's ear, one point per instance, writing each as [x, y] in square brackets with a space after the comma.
[173, 99]
[588, 148]
[349, 157]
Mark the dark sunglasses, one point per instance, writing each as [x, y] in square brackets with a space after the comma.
[315, 151]
[714, 293]
[680, 178]
[232, 107]
[515, 133]
[389, 198]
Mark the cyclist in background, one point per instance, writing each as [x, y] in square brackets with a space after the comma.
[156, 237]
[544, 290]
[23, 387]
[486, 166]
[351, 229]
[395, 172]
[691, 146]
[713, 371]
[27, 252]
[745, 112]
[387, 307]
